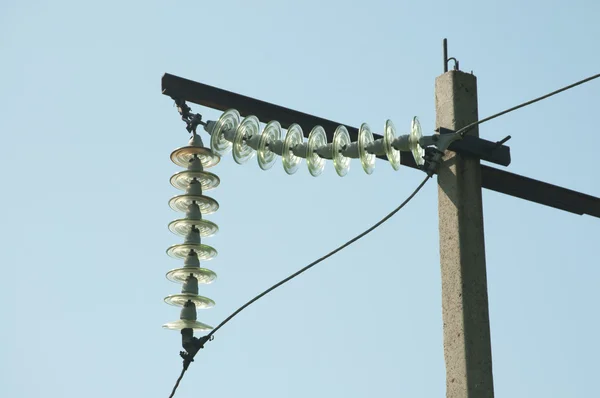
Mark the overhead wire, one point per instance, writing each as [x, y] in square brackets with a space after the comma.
[178, 381]
[331, 253]
[468, 127]
[309, 266]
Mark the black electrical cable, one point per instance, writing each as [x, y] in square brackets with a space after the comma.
[178, 381]
[309, 266]
[468, 127]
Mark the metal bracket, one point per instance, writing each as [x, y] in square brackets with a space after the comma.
[446, 59]
[472, 146]
[191, 345]
[433, 156]
[440, 141]
[192, 120]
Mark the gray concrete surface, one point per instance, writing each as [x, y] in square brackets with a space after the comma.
[467, 346]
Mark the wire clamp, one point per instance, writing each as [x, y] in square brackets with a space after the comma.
[435, 147]
[192, 346]
[192, 120]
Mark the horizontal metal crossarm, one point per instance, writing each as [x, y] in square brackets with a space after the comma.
[216, 98]
[492, 178]
[539, 192]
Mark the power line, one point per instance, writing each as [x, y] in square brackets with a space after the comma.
[468, 127]
[331, 253]
[295, 274]
[178, 381]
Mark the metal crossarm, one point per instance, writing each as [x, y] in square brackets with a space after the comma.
[491, 178]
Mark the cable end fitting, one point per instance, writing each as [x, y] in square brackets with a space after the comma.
[192, 120]
[192, 345]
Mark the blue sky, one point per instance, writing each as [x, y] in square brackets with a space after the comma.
[84, 159]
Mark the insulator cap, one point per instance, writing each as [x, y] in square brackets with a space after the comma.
[193, 237]
[196, 140]
[190, 285]
[195, 164]
[194, 188]
[191, 260]
[193, 212]
[188, 312]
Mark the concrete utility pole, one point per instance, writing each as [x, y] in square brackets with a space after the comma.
[467, 345]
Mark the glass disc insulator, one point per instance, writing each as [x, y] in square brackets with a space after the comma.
[207, 180]
[183, 226]
[341, 139]
[187, 324]
[179, 275]
[249, 127]
[271, 133]
[392, 153]
[316, 140]
[181, 251]
[181, 156]
[182, 202]
[229, 121]
[416, 149]
[180, 299]
[293, 137]
[365, 138]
